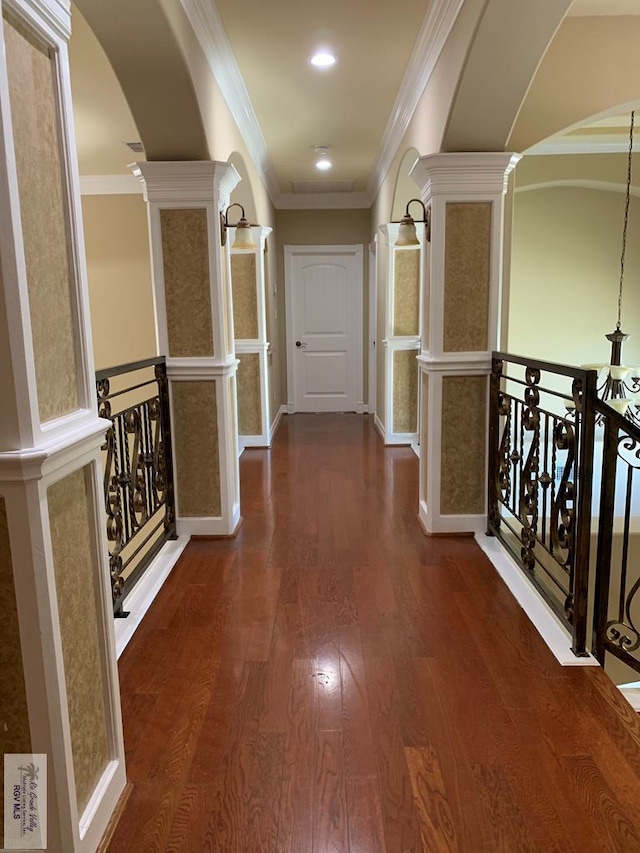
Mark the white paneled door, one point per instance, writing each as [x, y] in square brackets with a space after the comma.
[324, 328]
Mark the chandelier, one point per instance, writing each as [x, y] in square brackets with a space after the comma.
[619, 385]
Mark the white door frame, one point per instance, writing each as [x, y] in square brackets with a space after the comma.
[290, 251]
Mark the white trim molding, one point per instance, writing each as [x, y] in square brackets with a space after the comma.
[194, 369]
[183, 181]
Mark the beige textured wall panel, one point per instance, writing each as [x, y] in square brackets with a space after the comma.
[185, 254]
[44, 215]
[405, 391]
[77, 587]
[195, 432]
[406, 293]
[466, 276]
[464, 439]
[245, 300]
[249, 399]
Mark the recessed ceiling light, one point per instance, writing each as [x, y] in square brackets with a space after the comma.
[323, 163]
[323, 59]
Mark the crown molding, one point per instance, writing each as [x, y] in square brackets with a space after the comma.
[574, 145]
[187, 180]
[431, 39]
[580, 183]
[56, 14]
[472, 173]
[110, 185]
[321, 201]
[207, 25]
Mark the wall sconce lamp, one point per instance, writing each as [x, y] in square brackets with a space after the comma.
[244, 236]
[407, 235]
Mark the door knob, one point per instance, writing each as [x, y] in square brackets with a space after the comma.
[300, 344]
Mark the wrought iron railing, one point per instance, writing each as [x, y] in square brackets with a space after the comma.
[541, 437]
[564, 498]
[617, 581]
[138, 469]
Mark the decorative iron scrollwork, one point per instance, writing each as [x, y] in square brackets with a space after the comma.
[563, 507]
[626, 637]
[530, 423]
[137, 473]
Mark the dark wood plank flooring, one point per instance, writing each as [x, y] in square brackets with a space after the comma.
[333, 680]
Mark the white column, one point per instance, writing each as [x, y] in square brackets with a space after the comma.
[462, 288]
[247, 270]
[60, 693]
[195, 331]
[402, 336]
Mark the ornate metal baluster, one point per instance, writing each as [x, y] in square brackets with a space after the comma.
[138, 477]
[530, 421]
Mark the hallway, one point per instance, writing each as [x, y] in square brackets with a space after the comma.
[334, 680]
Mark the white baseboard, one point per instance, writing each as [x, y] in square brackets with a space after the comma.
[399, 439]
[254, 441]
[436, 525]
[631, 693]
[544, 620]
[379, 427]
[209, 525]
[276, 423]
[142, 595]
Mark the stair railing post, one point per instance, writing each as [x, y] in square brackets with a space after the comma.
[580, 589]
[605, 538]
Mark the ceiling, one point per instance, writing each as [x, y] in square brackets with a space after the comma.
[294, 107]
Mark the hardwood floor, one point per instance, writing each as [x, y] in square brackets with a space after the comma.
[333, 680]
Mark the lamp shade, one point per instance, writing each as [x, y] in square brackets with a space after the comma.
[244, 236]
[407, 232]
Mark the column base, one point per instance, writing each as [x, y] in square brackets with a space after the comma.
[450, 525]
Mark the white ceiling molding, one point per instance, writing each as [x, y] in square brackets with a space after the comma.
[322, 201]
[110, 185]
[581, 183]
[208, 27]
[580, 145]
[431, 39]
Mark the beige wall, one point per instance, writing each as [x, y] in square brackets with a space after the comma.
[322, 228]
[119, 272]
[565, 272]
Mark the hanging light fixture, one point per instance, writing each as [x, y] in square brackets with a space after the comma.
[244, 235]
[619, 385]
[407, 235]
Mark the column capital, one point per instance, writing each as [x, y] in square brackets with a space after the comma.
[466, 174]
[200, 181]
